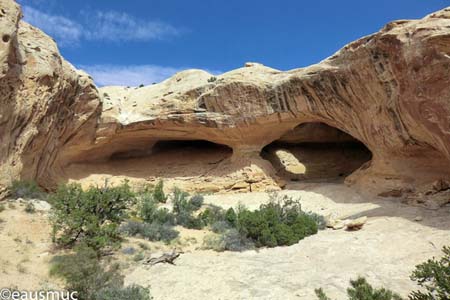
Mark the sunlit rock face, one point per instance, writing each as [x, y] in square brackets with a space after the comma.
[390, 91]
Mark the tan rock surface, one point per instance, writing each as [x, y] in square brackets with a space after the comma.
[385, 251]
[389, 90]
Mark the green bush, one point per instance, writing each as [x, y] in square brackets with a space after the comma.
[138, 257]
[131, 228]
[434, 277]
[230, 217]
[212, 214]
[91, 216]
[2, 207]
[183, 209]
[150, 213]
[29, 208]
[220, 227]
[212, 79]
[27, 190]
[197, 201]
[278, 223]
[151, 232]
[85, 274]
[230, 240]
[361, 290]
[134, 292]
[147, 207]
[159, 232]
[158, 192]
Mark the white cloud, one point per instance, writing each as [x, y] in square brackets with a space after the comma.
[129, 75]
[64, 30]
[116, 26]
[102, 26]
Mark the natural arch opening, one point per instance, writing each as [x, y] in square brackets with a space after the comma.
[176, 150]
[153, 159]
[316, 152]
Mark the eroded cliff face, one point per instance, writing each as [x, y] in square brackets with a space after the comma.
[389, 90]
[45, 103]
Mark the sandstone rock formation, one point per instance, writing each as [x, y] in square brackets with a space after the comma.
[389, 90]
[46, 105]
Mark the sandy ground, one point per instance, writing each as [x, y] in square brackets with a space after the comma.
[385, 251]
[25, 248]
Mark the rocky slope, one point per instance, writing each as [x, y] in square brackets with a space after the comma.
[389, 90]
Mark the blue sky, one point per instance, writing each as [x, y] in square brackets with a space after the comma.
[144, 41]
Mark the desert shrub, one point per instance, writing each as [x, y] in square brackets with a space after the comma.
[147, 207]
[230, 217]
[158, 192]
[152, 232]
[138, 257]
[29, 208]
[91, 216]
[234, 241]
[131, 228]
[319, 219]
[134, 292]
[181, 203]
[188, 220]
[84, 273]
[321, 294]
[183, 209]
[434, 276]
[27, 190]
[220, 227]
[197, 201]
[361, 290]
[214, 242]
[212, 79]
[277, 223]
[159, 232]
[150, 213]
[212, 214]
[2, 207]
[128, 251]
[163, 216]
[144, 246]
[230, 240]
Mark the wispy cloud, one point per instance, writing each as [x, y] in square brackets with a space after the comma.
[64, 30]
[133, 75]
[129, 75]
[116, 26]
[110, 26]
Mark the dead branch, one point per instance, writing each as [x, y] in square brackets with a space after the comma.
[165, 258]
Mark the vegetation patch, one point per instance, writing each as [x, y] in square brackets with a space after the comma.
[92, 216]
[433, 276]
[281, 222]
[84, 273]
[26, 190]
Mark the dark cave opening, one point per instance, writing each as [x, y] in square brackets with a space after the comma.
[175, 149]
[316, 152]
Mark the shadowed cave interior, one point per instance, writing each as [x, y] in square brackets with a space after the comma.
[316, 152]
[311, 151]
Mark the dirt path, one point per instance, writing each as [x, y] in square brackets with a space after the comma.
[385, 251]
